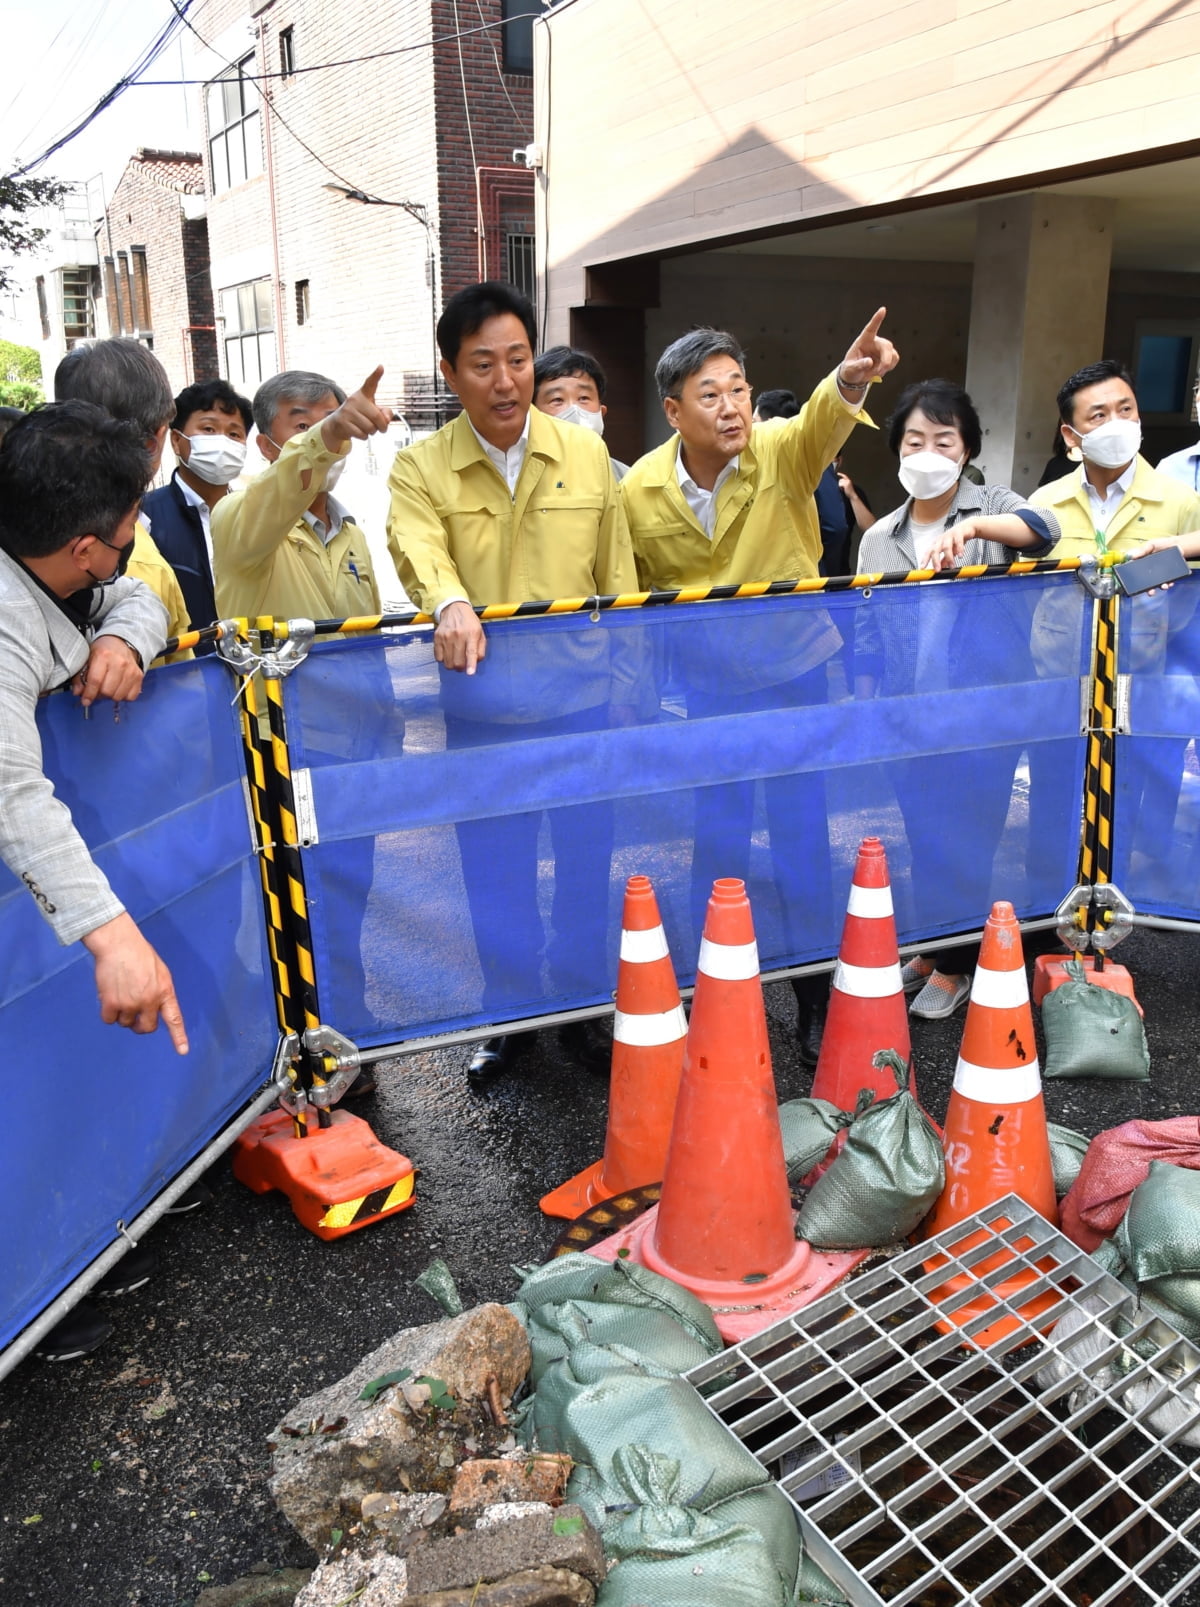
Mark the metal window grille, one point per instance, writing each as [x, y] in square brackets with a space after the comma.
[522, 263]
[924, 1469]
[234, 134]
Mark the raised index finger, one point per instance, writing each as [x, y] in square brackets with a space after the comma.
[872, 329]
[369, 384]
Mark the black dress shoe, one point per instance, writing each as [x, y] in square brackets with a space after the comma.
[494, 1056]
[810, 1029]
[81, 1331]
[588, 1045]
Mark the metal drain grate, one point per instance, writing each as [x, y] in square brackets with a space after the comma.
[927, 1471]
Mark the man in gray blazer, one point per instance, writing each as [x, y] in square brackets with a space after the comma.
[71, 479]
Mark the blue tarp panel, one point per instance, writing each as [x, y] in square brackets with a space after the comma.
[97, 1119]
[475, 833]
[1156, 832]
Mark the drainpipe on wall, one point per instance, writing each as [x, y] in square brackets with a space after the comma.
[269, 144]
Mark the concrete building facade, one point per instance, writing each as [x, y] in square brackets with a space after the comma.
[360, 169]
[1018, 190]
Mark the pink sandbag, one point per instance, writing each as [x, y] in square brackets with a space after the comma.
[1115, 1163]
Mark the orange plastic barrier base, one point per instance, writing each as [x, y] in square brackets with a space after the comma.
[740, 1309]
[339, 1179]
[1049, 972]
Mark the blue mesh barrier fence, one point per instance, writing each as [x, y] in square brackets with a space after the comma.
[98, 1119]
[474, 833]
[1156, 832]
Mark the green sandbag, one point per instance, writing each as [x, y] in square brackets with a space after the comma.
[1093, 1032]
[1067, 1149]
[672, 1553]
[1162, 1224]
[553, 1330]
[809, 1128]
[890, 1171]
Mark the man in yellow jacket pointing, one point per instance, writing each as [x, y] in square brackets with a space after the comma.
[722, 502]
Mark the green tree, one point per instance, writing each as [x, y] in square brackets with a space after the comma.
[18, 234]
[19, 363]
[20, 394]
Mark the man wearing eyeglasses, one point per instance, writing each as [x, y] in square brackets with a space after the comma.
[724, 502]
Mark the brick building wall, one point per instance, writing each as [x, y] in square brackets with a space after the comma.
[352, 284]
[154, 263]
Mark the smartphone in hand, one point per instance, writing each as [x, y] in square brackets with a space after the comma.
[1160, 568]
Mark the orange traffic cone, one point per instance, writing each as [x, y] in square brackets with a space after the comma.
[649, 1030]
[724, 1227]
[867, 1008]
[996, 1141]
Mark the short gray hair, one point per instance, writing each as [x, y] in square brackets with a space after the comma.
[121, 376]
[688, 355]
[293, 385]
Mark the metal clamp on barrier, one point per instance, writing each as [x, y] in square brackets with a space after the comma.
[327, 1045]
[1096, 578]
[292, 1094]
[1111, 917]
[282, 657]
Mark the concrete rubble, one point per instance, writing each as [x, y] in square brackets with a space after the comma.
[419, 1493]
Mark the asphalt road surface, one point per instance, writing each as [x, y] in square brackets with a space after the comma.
[138, 1476]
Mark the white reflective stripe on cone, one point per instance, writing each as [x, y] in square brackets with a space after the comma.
[868, 981]
[870, 902]
[642, 946]
[987, 1086]
[728, 962]
[647, 1032]
[1000, 990]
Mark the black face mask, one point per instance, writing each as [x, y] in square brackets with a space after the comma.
[123, 556]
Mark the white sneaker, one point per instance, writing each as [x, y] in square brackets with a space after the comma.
[915, 973]
[940, 997]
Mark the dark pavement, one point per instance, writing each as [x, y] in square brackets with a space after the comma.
[136, 1477]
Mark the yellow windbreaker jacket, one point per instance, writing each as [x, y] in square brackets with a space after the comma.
[766, 526]
[268, 560]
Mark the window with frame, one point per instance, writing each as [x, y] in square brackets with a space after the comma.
[287, 51]
[234, 127]
[249, 314]
[303, 302]
[517, 34]
[78, 306]
[521, 263]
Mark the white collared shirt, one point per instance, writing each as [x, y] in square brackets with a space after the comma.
[1105, 503]
[702, 503]
[337, 518]
[195, 500]
[1183, 466]
[508, 464]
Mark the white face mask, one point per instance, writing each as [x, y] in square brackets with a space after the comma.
[926, 475]
[580, 415]
[215, 459]
[335, 471]
[1112, 445]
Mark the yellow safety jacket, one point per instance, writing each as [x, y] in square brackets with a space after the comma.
[766, 525]
[147, 564]
[267, 558]
[455, 531]
[1153, 506]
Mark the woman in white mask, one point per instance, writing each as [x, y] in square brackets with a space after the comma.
[938, 639]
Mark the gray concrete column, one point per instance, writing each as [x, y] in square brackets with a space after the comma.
[1038, 302]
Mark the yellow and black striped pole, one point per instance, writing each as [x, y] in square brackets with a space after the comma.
[291, 869]
[1099, 782]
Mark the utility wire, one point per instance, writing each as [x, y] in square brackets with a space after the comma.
[325, 66]
[144, 61]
